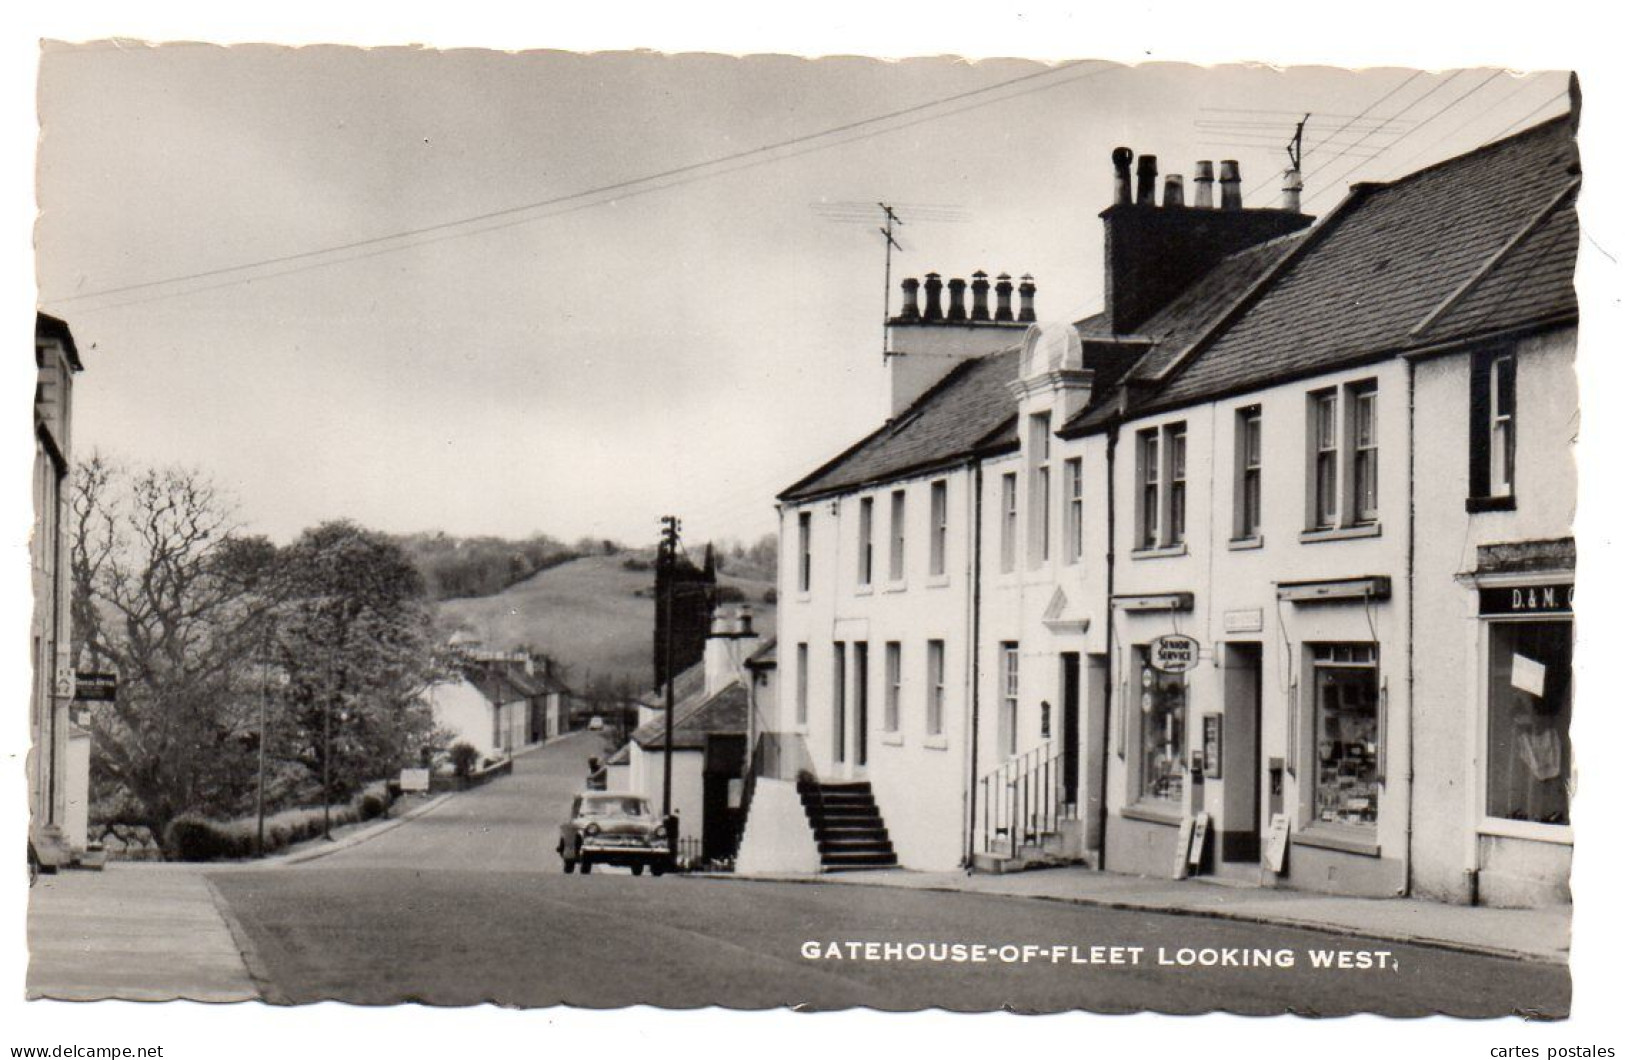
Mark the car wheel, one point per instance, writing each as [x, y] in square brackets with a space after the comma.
[586, 867]
[658, 869]
[637, 870]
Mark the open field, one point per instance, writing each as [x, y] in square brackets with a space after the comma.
[591, 614]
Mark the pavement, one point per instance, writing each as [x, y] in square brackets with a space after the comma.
[138, 931]
[1527, 934]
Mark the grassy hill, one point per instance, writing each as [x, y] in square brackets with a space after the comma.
[592, 614]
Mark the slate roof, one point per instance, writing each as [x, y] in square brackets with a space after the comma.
[1478, 243]
[1534, 278]
[950, 420]
[1389, 256]
[685, 686]
[724, 712]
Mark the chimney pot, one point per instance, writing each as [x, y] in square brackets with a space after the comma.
[1204, 185]
[1003, 289]
[978, 290]
[1028, 314]
[1120, 181]
[1230, 184]
[1292, 191]
[956, 301]
[911, 300]
[1145, 191]
[1173, 190]
[933, 296]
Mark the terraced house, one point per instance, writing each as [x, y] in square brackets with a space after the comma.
[1272, 552]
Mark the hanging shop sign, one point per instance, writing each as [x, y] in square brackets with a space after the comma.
[95, 686]
[1173, 653]
[1552, 599]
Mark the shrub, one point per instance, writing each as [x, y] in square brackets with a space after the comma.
[464, 756]
[191, 837]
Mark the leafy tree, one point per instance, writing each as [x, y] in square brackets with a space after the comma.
[355, 639]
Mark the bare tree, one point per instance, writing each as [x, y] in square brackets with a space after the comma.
[168, 595]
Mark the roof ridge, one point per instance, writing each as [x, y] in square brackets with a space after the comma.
[1484, 148]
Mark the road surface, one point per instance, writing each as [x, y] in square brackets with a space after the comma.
[468, 904]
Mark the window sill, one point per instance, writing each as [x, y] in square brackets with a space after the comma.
[1160, 552]
[1560, 834]
[937, 581]
[935, 743]
[864, 590]
[1509, 503]
[1326, 839]
[892, 739]
[1242, 544]
[1341, 533]
[896, 587]
[804, 596]
[1151, 815]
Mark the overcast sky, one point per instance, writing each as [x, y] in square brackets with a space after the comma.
[689, 344]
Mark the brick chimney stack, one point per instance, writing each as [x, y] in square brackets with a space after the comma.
[956, 301]
[1154, 253]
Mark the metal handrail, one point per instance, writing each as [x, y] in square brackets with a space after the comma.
[1022, 801]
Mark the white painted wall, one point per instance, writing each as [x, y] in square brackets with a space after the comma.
[1452, 832]
[1224, 579]
[460, 709]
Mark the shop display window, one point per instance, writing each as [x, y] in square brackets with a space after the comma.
[1162, 735]
[1347, 728]
[1529, 759]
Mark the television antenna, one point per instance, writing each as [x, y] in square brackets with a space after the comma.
[863, 213]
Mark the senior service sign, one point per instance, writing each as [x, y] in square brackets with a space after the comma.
[1173, 653]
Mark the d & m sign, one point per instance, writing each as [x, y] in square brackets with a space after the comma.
[1549, 599]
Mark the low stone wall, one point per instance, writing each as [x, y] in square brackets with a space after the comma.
[443, 782]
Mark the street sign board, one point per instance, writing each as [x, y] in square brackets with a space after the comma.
[92, 686]
[414, 780]
[1173, 653]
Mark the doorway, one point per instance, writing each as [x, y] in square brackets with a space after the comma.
[1241, 737]
[1071, 738]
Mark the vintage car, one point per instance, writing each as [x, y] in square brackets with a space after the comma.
[606, 828]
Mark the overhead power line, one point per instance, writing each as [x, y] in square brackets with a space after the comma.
[632, 185]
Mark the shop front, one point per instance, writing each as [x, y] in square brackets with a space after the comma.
[1522, 843]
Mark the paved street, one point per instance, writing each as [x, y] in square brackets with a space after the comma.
[468, 904]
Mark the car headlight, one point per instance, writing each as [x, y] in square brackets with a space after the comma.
[591, 829]
[659, 832]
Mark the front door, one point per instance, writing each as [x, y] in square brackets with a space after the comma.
[1241, 739]
[1071, 738]
[860, 703]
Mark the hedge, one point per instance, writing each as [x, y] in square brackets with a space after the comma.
[193, 837]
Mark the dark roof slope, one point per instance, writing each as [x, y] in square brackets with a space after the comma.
[722, 713]
[949, 421]
[1379, 265]
[1534, 279]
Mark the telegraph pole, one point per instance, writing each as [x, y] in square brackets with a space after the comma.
[670, 527]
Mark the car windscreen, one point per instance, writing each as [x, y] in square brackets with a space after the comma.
[612, 806]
